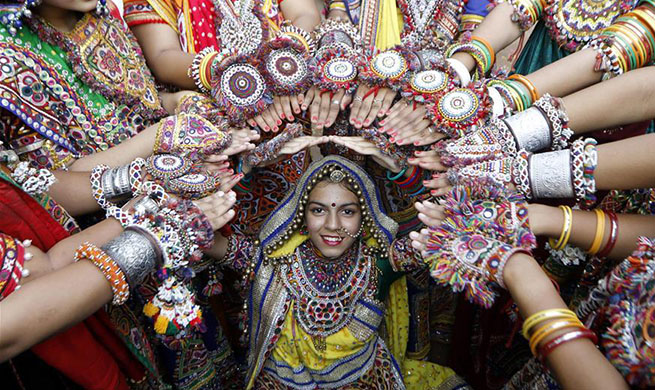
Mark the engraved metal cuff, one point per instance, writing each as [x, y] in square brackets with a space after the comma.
[531, 130]
[550, 175]
[116, 182]
[134, 253]
[146, 205]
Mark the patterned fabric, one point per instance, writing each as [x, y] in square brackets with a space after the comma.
[193, 20]
[51, 116]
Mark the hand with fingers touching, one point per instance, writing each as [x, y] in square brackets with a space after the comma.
[324, 106]
[289, 142]
[218, 208]
[369, 104]
[407, 124]
[367, 148]
[428, 159]
[242, 141]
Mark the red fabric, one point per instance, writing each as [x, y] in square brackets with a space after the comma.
[202, 21]
[75, 352]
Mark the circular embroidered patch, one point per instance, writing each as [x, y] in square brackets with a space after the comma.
[459, 105]
[193, 185]
[286, 67]
[429, 81]
[167, 166]
[242, 84]
[340, 70]
[389, 64]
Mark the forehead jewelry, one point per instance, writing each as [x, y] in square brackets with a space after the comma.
[337, 176]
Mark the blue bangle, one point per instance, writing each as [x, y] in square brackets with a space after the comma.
[402, 172]
[417, 193]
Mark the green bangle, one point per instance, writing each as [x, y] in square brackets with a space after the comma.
[402, 172]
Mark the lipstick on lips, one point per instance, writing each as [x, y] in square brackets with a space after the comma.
[332, 240]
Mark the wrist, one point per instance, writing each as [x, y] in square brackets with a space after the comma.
[544, 220]
[338, 14]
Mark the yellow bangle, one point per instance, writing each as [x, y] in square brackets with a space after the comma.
[543, 315]
[600, 232]
[202, 69]
[549, 329]
[566, 229]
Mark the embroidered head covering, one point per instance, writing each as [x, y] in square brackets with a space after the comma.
[280, 234]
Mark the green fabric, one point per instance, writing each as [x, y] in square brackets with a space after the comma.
[386, 277]
[540, 50]
[57, 58]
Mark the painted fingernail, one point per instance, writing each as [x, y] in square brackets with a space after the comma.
[411, 158]
[392, 139]
[267, 128]
[282, 116]
[382, 122]
[434, 192]
[416, 143]
[304, 107]
[291, 118]
[276, 128]
[314, 118]
[297, 111]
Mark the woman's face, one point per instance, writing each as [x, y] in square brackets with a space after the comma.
[72, 5]
[330, 209]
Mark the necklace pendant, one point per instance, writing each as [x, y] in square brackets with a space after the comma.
[319, 343]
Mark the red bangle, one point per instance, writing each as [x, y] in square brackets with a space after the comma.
[614, 233]
[373, 90]
[410, 180]
[565, 338]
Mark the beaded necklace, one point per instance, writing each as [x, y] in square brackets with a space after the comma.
[125, 56]
[327, 274]
[325, 303]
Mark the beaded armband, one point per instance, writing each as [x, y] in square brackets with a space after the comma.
[460, 110]
[12, 262]
[542, 126]
[268, 151]
[336, 68]
[334, 32]
[180, 176]
[424, 85]
[388, 69]
[112, 272]
[299, 35]
[285, 66]
[483, 227]
[625, 298]
[199, 69]
[191, 136]
[33, 181]
[239, 88]
[526, 13]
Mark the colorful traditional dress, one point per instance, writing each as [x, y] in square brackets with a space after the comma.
[198, 26]
[89, 353]
[324, 324]
[68, 95]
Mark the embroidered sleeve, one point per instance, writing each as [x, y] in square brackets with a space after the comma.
[12, 258]
[240, 251]
[139, 12]
[402, 257]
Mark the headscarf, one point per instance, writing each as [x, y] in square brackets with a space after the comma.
[280, 234]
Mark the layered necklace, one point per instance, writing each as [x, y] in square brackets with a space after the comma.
[326, 291]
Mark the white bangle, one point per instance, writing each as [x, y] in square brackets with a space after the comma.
[498, 106]
[461, 70]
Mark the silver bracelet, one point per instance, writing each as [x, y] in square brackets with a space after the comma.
[531, 130]
[135, 253]
[550, 175]
[145, 205]
[116, 182]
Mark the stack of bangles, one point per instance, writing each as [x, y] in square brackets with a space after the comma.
[517, 91]
[539, 326]
[629, 43]
[200, 69]
[597, 243]
[337, 5]
[412, 183]
[481, 52]
[527, 12]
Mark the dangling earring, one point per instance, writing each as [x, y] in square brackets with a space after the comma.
[13, 19]
[101, 8]
[303, 230]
